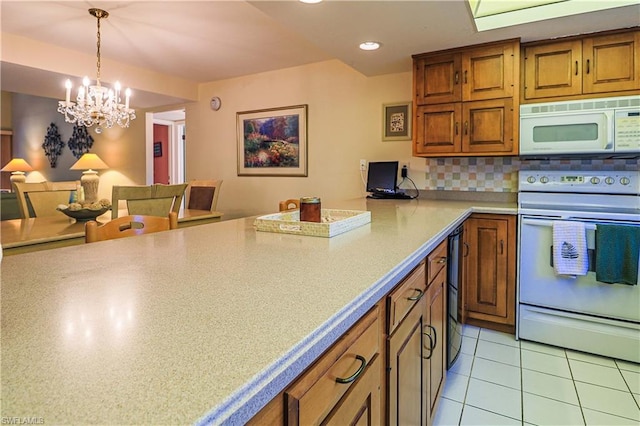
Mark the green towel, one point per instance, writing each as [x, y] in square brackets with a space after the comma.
[617, 251]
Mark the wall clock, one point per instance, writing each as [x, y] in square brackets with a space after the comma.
[215, 103]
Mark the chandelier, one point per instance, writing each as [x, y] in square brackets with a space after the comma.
[97, 105]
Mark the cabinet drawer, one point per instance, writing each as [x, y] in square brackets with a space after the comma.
[407, 294]
[436, 260]
[316, 392]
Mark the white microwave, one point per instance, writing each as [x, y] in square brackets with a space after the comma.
[588, 126]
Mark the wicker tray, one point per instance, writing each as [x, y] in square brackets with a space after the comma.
[334, 222]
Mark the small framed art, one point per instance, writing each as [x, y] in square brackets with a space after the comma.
[396, 121]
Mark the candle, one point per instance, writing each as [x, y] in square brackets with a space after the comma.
[67, 84]
[126, 102]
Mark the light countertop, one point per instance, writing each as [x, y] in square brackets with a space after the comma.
[202, 324]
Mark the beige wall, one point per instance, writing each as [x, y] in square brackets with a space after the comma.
[344, 126]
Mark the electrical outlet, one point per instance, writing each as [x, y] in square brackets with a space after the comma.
[363, 165]
[404, 164]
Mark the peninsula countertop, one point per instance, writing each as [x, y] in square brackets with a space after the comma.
[203, 324]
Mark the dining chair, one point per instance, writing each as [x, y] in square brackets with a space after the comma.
[128, 226]
[38, 199]
[290, 204]
[148, 200]
[203, 194]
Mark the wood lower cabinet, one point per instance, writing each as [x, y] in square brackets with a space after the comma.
[489, 271]
[575, 67]
[436, 326]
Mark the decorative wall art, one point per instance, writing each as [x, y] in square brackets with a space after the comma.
[80, 142]
[157, 149]
[396, 121]
[272, 142]
[53, 144]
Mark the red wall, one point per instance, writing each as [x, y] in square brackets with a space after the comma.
[161, 164]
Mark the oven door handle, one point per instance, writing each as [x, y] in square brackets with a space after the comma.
[549, 223]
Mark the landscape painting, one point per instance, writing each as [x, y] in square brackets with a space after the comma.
[273, 142]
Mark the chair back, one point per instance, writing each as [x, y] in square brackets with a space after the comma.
[203, 194]
[290, 204]
[38, 199]
[128, 226]
[148, 200]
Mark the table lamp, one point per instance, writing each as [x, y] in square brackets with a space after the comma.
[17, 167]
[89, 180]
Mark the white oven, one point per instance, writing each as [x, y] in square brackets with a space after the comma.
[578, 312]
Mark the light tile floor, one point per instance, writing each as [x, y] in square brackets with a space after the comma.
[498, 380]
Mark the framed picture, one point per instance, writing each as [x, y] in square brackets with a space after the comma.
[272, 142]
[396, 121]
[157, 149]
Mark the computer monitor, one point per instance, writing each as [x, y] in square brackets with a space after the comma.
[382, 177]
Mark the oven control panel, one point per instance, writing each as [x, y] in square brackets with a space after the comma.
[604, 181]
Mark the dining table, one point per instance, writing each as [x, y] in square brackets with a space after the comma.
[47, 232]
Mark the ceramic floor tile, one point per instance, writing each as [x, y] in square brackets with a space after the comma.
[494, 398]
[596, 418]
[470, 331]
[549, 386]
[476, 416]
[594, 359]
[545, 363]
[496, 372]
[540, 347]
[498, 337]
[544, 411]
[628, 366]
[455, 387]
[462, 365]
[637, 398]
[597, 375]
[468, 345]
[498, 352]
[448, 413]
[608, 400]
[632, 379]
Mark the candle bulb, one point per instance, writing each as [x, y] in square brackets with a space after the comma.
[67, 84]
[127, 94]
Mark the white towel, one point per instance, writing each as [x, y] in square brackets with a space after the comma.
[570, 248]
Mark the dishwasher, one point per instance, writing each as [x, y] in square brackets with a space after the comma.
[454, 326]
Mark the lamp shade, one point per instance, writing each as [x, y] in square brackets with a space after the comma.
[17, 165]
[89, 161]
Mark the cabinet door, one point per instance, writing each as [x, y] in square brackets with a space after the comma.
[361, 405]
[437, 79]
[438, 129]
[553, 70]
[611, 63]
[488, 126]
[436, 317]
[490, 269]
[488, 73]
[407, 375]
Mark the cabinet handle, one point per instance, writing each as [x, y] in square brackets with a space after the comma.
[442, 260]
[430, 346]
[456, 77]
[435, 337]
[418, 297]
[576, 67]
[466, 252]
[354, 376]
[587, 66]
[501, 246]
[466, 127]
[465, 76]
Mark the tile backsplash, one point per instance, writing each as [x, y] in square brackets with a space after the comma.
[500, 174]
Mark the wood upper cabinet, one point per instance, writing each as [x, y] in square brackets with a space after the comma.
[604, 65]
[480, 127]
[466, 102]
[489, 271]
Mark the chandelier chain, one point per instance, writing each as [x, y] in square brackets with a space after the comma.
[98, 45]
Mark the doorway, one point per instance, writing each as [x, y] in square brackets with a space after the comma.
[166, 147]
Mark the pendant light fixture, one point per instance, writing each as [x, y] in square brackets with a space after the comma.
[96, 104]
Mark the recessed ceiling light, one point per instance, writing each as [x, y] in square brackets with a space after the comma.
[310, 1]
[370, 45]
